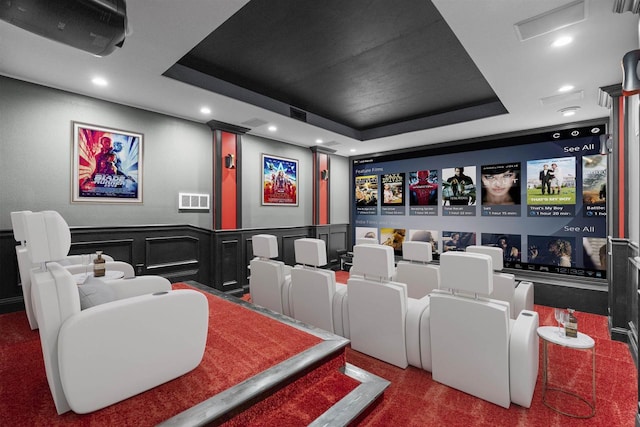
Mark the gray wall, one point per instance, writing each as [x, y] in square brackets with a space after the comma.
[253, 213]
[35, 163]
[340, 183]
[256, 215]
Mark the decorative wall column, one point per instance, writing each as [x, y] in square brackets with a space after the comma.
[321, 185]
[623, 286]
[227, 175]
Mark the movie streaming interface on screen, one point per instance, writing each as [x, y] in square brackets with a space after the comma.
[540, 197]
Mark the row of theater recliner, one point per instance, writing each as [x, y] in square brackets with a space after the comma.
[464, 320]
[102, 341]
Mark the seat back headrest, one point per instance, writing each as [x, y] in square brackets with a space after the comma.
[374, 260]
[17, 223]
[48, 235]
[494, 252]
[467, 272]
[417, 251]
[311, 252]
[265, 245]
[367, 241]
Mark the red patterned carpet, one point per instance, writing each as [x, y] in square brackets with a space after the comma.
[413, 398]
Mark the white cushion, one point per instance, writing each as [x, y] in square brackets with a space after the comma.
[95, 292]
[266, 285]
[470, 346]
[48, 236]
[17, 223]
[496, 254]
[420, 279]
[417, 251]
[377, 315]
[311, 252]
[374, 260]
[265, 245]
[312, 292]
[466, 272]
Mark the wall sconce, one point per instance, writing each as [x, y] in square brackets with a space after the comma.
[631, 73]
[229, 161]
[606, 143]
[324, 174]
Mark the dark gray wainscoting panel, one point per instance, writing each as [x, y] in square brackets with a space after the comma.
[232, 260]
[216, 258]
[587, 300]
[174, 257]
[177, 252]
[234, 252]
[10, 290]
[336, 237]
[120, 249]
[230, 255]
[288, 254]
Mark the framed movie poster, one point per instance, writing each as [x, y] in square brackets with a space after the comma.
[107, 165]
[279, 181]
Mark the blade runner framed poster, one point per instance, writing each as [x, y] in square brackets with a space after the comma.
[107, 165]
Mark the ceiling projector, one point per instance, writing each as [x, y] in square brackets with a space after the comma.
[95, 26]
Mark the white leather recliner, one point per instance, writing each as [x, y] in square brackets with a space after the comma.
[112, 351]
[519, 295]
[420, 277]
[315, 297]
[270, 279]
[73, 263]
[475, 346]
[384, 322]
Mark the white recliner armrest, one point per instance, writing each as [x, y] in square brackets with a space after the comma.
[100, 351]
[523, 358]
[287, 270]
[287, 308]
[341, 311]
[141, 285]
[503, 289]
[523, 297]
[416, 309]
[425, 339]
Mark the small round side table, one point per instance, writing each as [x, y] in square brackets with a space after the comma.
[549, 334]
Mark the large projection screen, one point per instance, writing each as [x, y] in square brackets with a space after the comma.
[541, 196]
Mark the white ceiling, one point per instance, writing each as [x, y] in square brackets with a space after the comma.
[520, 73]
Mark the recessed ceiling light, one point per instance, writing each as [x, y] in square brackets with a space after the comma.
[566, 88]
[99, 81]
[272, 128]
[353, 150]
[319, 141]
[562, 41]
[569, 111]
[205, 110]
